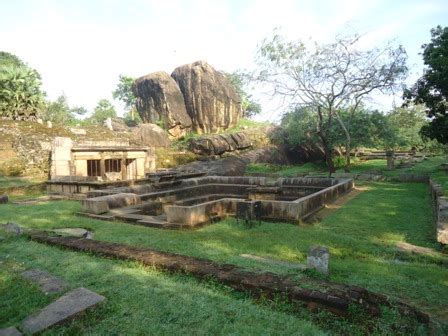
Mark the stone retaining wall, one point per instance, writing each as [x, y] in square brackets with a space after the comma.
[441, 211]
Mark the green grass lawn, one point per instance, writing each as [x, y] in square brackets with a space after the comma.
[15, 181]
[361, 237]
[283, 170]
[140, 301]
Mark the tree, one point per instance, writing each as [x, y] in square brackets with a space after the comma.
[407, 122]
[432, 88]
[103, 110]
[124, 93]
[21, 96]
[367, 128]
[78, 111]
[328, 78]
[60, 112]
[239, 81]
[7, 59]
[57, 111]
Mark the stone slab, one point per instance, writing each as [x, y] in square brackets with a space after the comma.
[47, 283]
[66, 307]
[74, 232]
[12, 228]
[11, 331]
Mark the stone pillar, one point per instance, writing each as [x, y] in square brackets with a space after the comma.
[390, 159]
[123, 166]
[103, 167]
[61, 156]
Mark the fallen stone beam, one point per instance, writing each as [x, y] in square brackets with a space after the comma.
[66, 307]
[332, 296]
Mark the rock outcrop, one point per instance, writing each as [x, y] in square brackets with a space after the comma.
[159, 99]
[236, 165]
[210, 99]
[150, 135]
[220, 143]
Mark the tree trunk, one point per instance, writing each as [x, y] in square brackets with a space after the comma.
[327, 148]
[348, 141]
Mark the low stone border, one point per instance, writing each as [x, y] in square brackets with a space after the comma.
[336, 298]
[441, 211]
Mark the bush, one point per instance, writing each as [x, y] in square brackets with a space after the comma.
[14, 167]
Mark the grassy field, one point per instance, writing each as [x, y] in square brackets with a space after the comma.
[361, 237]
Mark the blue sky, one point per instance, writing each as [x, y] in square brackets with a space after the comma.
[81, 47]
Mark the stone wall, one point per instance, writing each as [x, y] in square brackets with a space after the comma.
[441, 211]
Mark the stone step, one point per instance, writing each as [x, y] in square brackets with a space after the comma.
[66, 307]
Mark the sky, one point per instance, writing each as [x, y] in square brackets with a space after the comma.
[80, 47]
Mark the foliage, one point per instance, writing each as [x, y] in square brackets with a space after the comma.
[329, 78]
[58, 111]
[240, 81]
[367, 128]
[432, 88]
[103, 110]
[7, 60]
[21, 96]
[124, 93]
[406, 123]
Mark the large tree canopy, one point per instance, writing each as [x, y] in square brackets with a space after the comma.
[432, 88]
[329, 78]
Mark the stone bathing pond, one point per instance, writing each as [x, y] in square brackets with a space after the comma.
[192, 202]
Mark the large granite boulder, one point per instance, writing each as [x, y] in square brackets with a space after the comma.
[150, 135]
[220, 143]
[159, 99]
[210, 99]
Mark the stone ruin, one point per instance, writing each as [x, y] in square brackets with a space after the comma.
[192, 202]
[195, 97]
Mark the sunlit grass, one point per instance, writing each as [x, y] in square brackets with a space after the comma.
[361, 237]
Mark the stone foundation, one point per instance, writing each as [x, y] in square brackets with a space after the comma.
[193, 202]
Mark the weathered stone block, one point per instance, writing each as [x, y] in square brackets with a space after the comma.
[318, 258]
[95, 206]
[66, 307]
[102, 204]
[4, 199]
[12, 228]
[47, 283]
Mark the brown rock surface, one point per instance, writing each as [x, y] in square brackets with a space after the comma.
[150, 135]
[211, 101]
[159, 98]
[220, 143]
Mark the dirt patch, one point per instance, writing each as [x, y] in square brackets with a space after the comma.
[318, 293]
